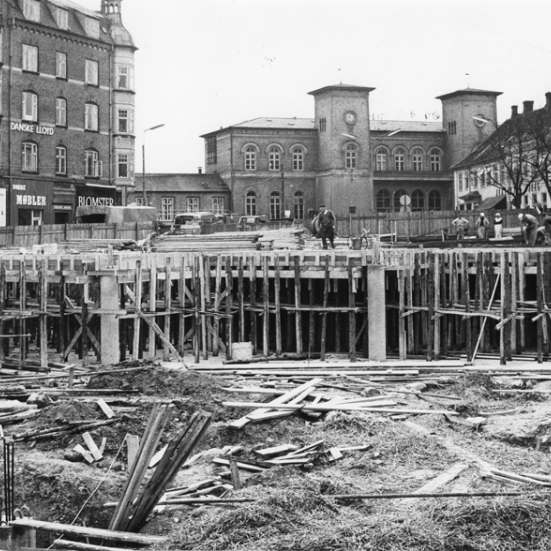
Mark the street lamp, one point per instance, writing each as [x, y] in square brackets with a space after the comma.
[143, 161]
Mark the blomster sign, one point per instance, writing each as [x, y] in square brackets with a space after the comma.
[33, 128]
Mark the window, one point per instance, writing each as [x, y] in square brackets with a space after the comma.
[125, 122]
[29, 157]
[399, 160]
[435, 160]
[381, 159]
[31, 10]
[61, 112]
[93, 164]
[401, 199]
[125, 77]
[167, 208]
[62, 18]
[417, 200]
[211, 150]
[274, 158]
[30, 58]
[30, 107]
[435, 200]
[192, 204]
[298, 159]
[218, 205]
[250, 158]
[91, 117]
[123, 165]
[139, 201]
[92, 27]
[60, 65]
[250, 203]
[417, 160]
[275, 206]
[298, 205]
[350, 156]
[91, 72]
[383, 200]
[452, 127]
[544, 199]
[61, 160]
[323, 125]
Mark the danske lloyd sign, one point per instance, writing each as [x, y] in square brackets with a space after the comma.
[34, 128]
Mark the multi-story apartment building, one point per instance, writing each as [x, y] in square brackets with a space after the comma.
[345, 159]
[67, 109]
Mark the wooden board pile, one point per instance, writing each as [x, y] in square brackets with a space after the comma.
[286, 238]
[238, 241]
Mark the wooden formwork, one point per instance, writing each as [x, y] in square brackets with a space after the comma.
[129, 305]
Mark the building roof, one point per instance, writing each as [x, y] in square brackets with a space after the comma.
[469, 91]
[498, 202]
[341, 87]
[278, 122]
[67, 4]
[193, 182]
[406, 126]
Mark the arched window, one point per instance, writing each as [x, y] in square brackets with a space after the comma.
[91, 117]
[92, 163]
[417, 200]
[30, 107]
[250, 203]
[61, 160]
[29, 156]
[417, 159]
[275, 206]
[298, 159]
[381, 160]
[398, 201]
[298, 205]
[435, 200]
[383, 200]
[399, 160]
[274, 158]
[435, 160]
[250, 158]
[350, 156]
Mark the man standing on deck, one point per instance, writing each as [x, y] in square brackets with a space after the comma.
[482, 226]
[529, 228]
[326, 226]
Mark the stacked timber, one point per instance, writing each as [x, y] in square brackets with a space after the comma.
[93, 245]
[235, 241]
[286, 238]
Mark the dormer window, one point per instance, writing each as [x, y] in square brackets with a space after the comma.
[92, 27]
[31, 10]
[62, 18]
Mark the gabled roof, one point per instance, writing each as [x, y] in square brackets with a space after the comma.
[192, 182]
[511, 129]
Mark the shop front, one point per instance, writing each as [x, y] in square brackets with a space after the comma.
[96, 195]
[31, 203]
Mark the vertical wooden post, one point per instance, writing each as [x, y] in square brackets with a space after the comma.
[84, 339]
[401, 311]
[241, 299]
[203, 304]
[229, 298]
[43, 308]
[3, 293]
[265, 306]
[467, 302]
[196, 290]
[252, 286]
[376, 313]
[311, 317]
[351, 316]
[430, 305]
[277, 300]
[109, 300]
[323, 344]
[521, 291]
[410, 330]
[152, 303]
[168, 305]
[298, 314]
[217, 299]
[22, 306]
[437, 304]
[503, 312]
[539, 294]
[137, 309]
[513, 301]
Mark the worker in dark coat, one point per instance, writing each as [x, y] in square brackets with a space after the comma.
[325, 225]
[547, 229]
[482, 224]
[529, 228]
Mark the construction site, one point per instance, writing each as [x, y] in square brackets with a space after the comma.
[245, 391]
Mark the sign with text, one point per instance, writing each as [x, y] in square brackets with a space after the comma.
[33, 128]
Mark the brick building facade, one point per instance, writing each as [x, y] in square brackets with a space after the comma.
[345, 159]
[67, 110]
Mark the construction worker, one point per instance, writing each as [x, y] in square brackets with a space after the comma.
[326, 226]
[461, 224]
[498, 226]
[529, 228]
[547, 229]
[482, 226]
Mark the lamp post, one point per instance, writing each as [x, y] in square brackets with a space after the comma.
[143, 161]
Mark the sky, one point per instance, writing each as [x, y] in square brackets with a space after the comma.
[202, 65]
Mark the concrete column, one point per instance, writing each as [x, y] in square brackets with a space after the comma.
[376, 313]
[110, 352]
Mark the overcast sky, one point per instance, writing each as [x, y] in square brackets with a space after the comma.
[206, 64]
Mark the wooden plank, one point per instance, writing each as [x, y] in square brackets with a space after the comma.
[109, 413]
[94, 450]
[87, 532]
[88, 457]
[132, 446]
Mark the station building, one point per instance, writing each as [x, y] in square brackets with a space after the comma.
[343, 158]
[66, 110]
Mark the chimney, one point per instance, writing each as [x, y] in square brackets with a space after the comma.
[514, 111]
[528, 106]
[548, 101]
[112, 10]
[200, 170]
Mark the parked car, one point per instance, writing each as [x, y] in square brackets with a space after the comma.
[194, 222]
